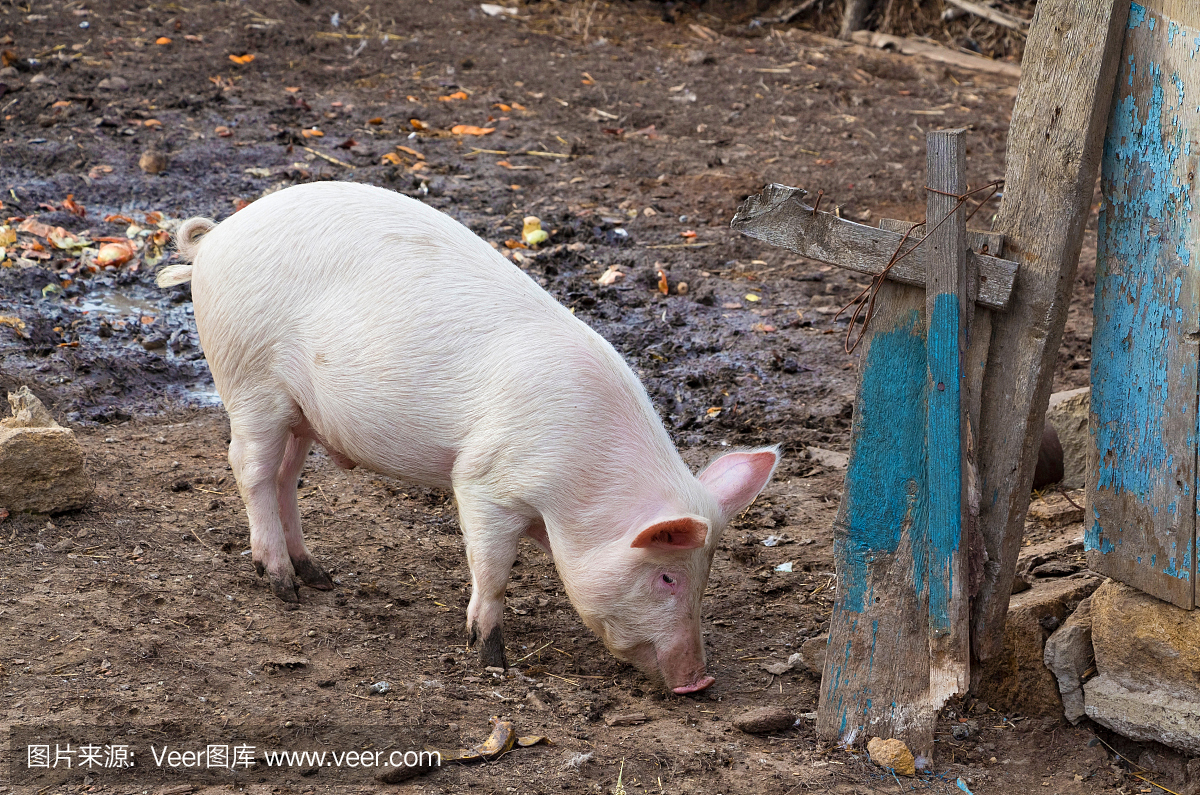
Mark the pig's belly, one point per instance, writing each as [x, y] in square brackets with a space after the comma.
[385, 429]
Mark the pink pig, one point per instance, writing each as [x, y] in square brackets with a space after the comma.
[386, 331]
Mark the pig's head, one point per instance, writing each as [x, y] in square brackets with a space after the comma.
[641, 593]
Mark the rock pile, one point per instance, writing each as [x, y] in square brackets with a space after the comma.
[41, 463]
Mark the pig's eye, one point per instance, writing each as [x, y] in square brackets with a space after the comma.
[667, 579]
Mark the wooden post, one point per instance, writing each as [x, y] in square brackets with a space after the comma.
[1143, 477]
[947, 426]
[899, 643]
[1068, 71]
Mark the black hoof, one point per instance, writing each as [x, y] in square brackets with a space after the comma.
[313, 574]
[491, 650]
[284, 588]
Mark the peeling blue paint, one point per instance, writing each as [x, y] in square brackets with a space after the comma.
[1145, 306]
[886, 493]
[945, 456]
[1137, 15]
[1133, 333]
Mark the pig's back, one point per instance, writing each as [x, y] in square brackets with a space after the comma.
[406, 340]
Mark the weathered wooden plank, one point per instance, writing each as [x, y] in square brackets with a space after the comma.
[979, 241]
[1142, 486]
[946, 310]
[990, 243]
[778, 216]
[979, 338]
[876, 676]
[1058, 122]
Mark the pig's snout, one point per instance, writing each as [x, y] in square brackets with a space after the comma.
[700, 684]
[682, 667]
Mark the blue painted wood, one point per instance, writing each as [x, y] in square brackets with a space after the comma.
[898, 638]
[876, 676]
[1143, 476]
[948, 308]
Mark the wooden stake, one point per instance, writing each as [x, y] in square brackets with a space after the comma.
[1058, 121]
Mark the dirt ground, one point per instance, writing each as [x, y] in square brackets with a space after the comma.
[633, 130]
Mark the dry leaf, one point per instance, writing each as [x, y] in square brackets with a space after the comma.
[514, 244]
[312, 132]
[503, 107]
[663, 286]
[152, 123]
[223, 131]
[292, 89]
[117, 219]
[242, 59]
[16, 322]
[751, 297]
[610, 276]
[412, 152]
[376, 120]
[163, 40]
[70, 205]
[588, 80]
[154, 218]
[689, 234]
[115, 254]
[96, 172]
[391, 157]
[418, 125]
[518, 106]
[193, 38]
[62, 103]
[470, 129]
[454, 96]
[147, 319]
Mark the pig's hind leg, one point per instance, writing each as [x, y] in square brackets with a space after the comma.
[490, 533]
[256, 451]
[303, 564]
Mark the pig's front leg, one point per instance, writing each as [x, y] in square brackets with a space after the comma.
[490, 533]
[303, 564]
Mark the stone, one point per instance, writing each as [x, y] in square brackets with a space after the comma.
[114, 83]
[765, 720]
[1016, 679]
[1054, 512]
[812, 654]
[1148, 659]
[1055, 568]
[1146, 644]
[41, 462]
[1069, 656]
[828, 458]
[153, 161]
[1068, 413]
[892, 755]
[1049, 469]
[1156, 715]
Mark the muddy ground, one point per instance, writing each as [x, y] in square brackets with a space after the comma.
[651, 127]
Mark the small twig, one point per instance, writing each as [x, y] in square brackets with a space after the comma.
[992, 15]
[330, 158]
[1067, 497]
[527, 656]
[206, 546]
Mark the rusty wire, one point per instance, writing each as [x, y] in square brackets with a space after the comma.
[865, 300]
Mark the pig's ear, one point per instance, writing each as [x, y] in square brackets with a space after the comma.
[687, 532]
[735, 479]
